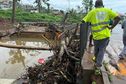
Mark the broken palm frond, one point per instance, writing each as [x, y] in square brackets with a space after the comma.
[62, 68]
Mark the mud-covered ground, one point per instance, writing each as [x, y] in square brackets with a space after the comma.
[5, 24]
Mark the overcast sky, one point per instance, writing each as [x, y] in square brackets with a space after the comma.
[116, 5]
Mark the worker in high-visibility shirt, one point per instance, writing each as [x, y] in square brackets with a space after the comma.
[99, 17]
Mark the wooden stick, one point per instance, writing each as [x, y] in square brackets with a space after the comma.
[47, 40]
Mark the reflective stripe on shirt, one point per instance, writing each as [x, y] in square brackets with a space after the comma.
[101, 23]
[99, 29]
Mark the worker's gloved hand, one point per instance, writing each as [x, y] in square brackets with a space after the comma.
[110, 22]
[109, 27]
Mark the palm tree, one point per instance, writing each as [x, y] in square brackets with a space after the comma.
[13, 10]
[87, 4]
[39, 4]
[48, 7]
[91, 4]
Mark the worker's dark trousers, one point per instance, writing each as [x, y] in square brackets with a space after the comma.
[124, 40]
[100, 46]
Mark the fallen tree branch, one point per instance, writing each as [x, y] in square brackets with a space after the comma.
[23, 47]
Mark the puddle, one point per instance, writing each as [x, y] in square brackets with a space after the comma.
[14, 61]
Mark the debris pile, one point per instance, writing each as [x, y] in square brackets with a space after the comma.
[63, 67]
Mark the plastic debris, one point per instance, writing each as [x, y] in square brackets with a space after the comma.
[41, 61]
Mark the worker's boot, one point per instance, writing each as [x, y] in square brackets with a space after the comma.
[97, 71]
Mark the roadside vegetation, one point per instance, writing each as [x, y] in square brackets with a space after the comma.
[38, 17]
[45, 13]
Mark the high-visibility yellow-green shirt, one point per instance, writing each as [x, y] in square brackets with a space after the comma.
[99, 19]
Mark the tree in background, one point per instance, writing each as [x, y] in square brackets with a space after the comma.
[48, 7]
[73, 12]
[88, 4]
[39, 4]
[13, 10]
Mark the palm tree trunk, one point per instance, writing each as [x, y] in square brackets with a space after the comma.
[39, 6]
[13, 11]
[48, 5]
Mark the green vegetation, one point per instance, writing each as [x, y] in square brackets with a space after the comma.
[36, 17]
[27, 16]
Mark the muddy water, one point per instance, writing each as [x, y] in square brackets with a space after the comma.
[13, 62]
